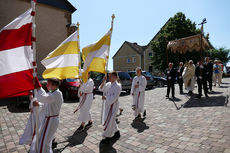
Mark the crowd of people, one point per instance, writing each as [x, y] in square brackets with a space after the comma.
[49, 101]
[205, 73]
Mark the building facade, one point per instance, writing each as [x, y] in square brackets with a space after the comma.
[53, 20]
[128, 57]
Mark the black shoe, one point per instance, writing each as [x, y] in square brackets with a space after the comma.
[116, 136]
[144, 114]
[199, 96]
[54, 144]
[81, 128]
[167, 96]
[107, 141]
[173, 97]
[206, 95]
[117, 121]
[89, 125]
[138, 116]
[121, 110]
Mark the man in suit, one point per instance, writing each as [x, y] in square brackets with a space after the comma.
[201, 79]
[171, 76]
[179, 76]
[209, 71]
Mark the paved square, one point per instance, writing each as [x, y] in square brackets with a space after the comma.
[185, 125]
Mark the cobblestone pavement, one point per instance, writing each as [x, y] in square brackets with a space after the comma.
[183, 125]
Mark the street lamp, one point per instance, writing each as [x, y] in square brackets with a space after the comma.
[201, 38]
[202, 23]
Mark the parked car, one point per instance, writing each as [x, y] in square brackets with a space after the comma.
[147, 75]
[125, 80]
[69, 88]
[160, 81]
[228, 73]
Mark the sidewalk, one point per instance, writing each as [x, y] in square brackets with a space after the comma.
[184, 125]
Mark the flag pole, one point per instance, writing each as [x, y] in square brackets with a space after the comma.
[78, 37]
[113, 16]
[33, 4]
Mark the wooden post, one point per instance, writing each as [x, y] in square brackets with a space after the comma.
[33, 5]
[78, 37]
[201, 48]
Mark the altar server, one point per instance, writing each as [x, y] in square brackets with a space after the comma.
[53, 101]
[85, 93]
[138, 93]
[111, 91]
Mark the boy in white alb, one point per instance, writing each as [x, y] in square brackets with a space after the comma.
[53, 101]
[112, 92]
[85, 93]
[138, 93]
[29, 131]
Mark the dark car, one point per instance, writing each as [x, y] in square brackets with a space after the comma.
[147, 75]
[228, 73]
[125, 80]
[69, 88]
[160, 81]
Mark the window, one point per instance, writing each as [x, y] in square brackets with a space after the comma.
[128, 60]
[134, 59]
[150, 54]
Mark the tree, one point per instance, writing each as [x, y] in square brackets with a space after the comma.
[177, 27]
[221, 54]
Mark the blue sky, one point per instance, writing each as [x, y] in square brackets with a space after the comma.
[139, 20]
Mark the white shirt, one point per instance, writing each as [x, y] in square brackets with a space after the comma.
[53, 101]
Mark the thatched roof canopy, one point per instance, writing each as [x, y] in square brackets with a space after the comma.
[190, 44]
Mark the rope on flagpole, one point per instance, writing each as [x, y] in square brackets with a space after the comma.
[102, 113]
[33, 4]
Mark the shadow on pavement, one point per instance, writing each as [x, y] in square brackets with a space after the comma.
[139, 124]
[215, 92]
[224, 87]
[103, 148]
[175, 99]
[206, 102]
[76, 139]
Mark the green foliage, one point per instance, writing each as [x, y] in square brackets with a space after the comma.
[177, 27]
[221, 54]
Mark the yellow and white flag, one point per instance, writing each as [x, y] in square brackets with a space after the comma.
[64, 61]
[95, 56]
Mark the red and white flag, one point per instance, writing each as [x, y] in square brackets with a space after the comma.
[16, 57]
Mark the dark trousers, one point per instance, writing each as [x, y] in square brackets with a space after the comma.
[180, 83]
[170, 85]
[201, 83]
[209, 79]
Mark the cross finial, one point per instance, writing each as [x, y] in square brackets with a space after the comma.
[113, 16]
[78, 24]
